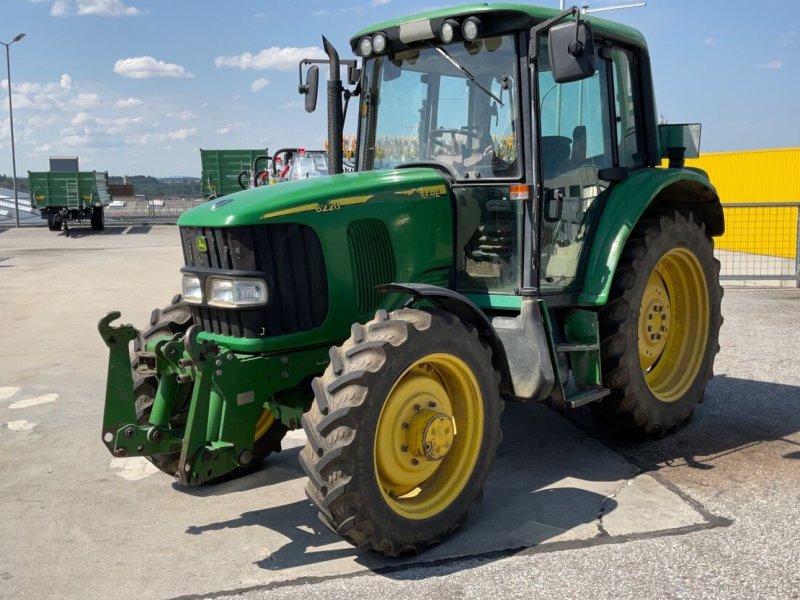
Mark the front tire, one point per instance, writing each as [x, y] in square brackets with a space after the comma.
[660, 327]
[403, 431]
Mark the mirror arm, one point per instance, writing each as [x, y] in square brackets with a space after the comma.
[533, 48]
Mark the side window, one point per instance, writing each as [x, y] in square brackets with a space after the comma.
[576, 142]
[628, 132]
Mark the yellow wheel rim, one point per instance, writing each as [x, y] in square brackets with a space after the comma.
[673, 324]
[428, 436]
[265, 421]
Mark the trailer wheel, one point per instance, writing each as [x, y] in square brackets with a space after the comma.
[660, 327]
[403, 431]
[177, 318]
[55, 222]
[98, 219]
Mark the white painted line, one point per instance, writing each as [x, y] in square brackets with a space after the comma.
[34, 401]
[7, 392]
[133, 469]
[126, 230]
[20, 425]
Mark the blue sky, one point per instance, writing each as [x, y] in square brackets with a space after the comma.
[138, 86]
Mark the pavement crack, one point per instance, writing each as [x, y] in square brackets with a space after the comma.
[604, 506]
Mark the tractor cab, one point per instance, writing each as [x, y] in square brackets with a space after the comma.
[531, 115]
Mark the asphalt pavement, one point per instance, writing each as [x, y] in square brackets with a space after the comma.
[710, 512]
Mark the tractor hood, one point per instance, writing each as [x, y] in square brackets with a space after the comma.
[263, 204]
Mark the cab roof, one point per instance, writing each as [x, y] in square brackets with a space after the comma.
[525, 12]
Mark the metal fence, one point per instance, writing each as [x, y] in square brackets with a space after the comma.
[141, 209]
[761, 244]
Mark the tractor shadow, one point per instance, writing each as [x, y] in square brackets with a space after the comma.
[737, 414]
[551, 481]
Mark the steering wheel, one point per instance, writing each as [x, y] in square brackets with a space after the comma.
[436, 141]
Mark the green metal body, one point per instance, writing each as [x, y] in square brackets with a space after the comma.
[71, 191]
[220, 169]
[374, 227]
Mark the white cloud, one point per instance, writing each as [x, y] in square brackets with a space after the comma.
[159, 138]
[106, 8]
[40, 96]
[85, 101]
[127, 103]
[279, 59]
[711, 41]
[259, 84]
[772, 65]
[145, 67]
[374, 3]
[97, 8]
[183, 115]
[223, 130]
[291, 104]
[59, 8]
[320, 13]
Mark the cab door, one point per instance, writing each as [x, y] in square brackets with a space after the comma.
[575, 143]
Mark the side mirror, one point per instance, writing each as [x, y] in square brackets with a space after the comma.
[309, 89]
[353, 75]
[571, 50]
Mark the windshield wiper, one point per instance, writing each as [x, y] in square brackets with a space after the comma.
[469, 75]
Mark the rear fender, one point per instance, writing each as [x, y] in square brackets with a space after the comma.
[627, 202]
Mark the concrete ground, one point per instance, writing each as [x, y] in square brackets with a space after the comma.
[712, 511]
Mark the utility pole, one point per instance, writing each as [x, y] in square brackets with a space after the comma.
[17, 38]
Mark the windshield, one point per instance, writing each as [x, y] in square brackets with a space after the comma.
[454, 105]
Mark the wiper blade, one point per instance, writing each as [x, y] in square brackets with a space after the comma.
[469, 75]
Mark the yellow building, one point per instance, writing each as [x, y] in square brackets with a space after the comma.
[762, 177]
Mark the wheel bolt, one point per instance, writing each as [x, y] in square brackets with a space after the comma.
[405, 425]
[432, 404]
[417, 407]
[414, 462]
[404, 448]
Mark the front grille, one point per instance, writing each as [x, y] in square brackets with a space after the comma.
[289, 257]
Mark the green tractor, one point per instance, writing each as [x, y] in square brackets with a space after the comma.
[508, 235]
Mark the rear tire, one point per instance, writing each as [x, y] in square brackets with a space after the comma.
[403, 431]
[660, 327]
[177, 318]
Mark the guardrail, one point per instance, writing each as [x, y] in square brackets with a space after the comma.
[761, 242]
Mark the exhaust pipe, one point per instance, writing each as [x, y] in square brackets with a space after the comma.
[335, 124]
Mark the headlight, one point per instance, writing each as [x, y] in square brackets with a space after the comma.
[192, 290]
[471, 28]
[365, 46]
[448, 31]
[236, 292]
[379, 43]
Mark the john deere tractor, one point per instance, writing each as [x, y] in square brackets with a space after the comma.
[508, 234]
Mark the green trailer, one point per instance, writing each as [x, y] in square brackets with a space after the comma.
[228, 171]
[62, 197]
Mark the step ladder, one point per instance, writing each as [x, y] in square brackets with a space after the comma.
[582, 350]
[73, 197]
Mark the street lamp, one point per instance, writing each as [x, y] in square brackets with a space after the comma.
[18, 37]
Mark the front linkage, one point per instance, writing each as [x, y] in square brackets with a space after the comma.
[227, 393]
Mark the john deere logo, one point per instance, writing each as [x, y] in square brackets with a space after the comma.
[202, 244]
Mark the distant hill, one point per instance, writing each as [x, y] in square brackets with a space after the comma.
[155, 187]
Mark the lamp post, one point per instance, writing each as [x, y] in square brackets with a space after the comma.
[17, 38]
